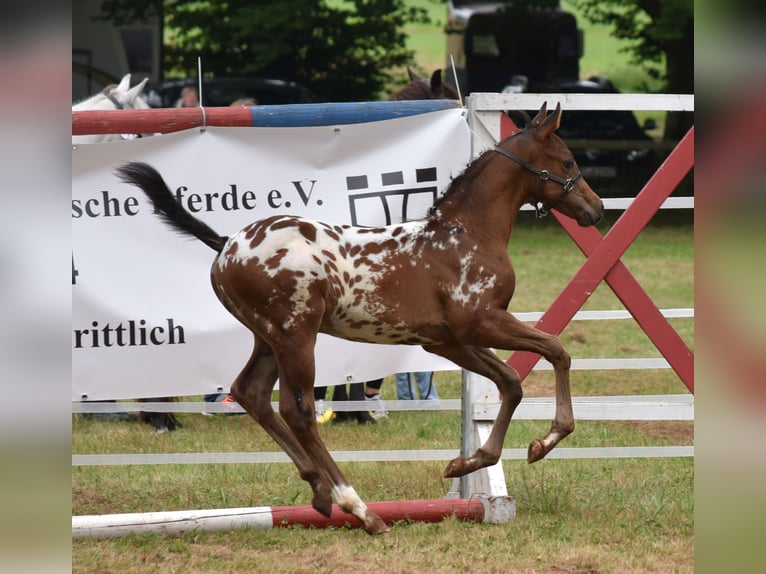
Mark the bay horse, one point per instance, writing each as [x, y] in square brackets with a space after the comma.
[113, 97]
[432, 88]
[289, 278]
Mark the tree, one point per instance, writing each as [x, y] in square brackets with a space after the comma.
[657, 29]
[342, 51]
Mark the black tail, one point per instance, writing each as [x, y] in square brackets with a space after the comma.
[147, 178]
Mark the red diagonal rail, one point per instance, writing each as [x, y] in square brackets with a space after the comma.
[603, 263]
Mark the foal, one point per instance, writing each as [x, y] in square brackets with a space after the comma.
[288, 278]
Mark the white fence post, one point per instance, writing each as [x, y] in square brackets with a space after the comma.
[487, 484]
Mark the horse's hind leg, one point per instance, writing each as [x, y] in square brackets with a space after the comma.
[296, 405]
[252, 389]
[484, 362]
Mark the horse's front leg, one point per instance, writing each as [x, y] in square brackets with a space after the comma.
[563, 421]
[502, 330]
[484, 362]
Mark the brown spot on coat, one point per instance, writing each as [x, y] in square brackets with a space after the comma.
[308, 231]
[275, 260]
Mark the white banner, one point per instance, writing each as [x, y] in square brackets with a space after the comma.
[145, 321]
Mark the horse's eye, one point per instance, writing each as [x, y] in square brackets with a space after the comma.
[569, 164]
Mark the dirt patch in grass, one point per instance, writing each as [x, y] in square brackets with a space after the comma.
[91, 499]
[674, 432]
[539, 385]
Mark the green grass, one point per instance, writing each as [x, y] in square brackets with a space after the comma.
[572, 515]
[428, 41]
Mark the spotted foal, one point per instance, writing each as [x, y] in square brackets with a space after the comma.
[288, 278]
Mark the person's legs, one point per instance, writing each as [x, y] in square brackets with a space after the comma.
[403, 387]
[356, 393]
[339, 393]
[372, 388]
[426, 387]
[372, 395]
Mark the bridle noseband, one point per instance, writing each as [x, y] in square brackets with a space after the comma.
[568, 184]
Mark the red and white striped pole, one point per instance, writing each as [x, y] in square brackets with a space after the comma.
[264, 517]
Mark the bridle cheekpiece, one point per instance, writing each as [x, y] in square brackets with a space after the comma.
[541, 210]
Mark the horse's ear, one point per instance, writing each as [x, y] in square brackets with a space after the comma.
[413, 76]
[538, 119]
[551, 123]
[436, 83]
[542, 125]
[135, 91]
[124, 83]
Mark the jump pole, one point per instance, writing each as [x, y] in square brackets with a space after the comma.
[167, 120]
[175, 523]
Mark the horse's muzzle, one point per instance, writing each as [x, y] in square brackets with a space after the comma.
[590, 217]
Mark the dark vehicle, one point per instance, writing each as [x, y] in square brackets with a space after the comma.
[493, 41]
[535, 47]
[613, 151]
[224, 91]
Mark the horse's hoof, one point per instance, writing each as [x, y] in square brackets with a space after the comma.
[456, 468]
[323, 505]
[536, 451]
[374, 524]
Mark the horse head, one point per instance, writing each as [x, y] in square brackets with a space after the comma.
[559, 183]
[122, 96]
[113, 97]
[432, 88]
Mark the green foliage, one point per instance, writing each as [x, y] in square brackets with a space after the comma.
[658, 32]
[342, 51]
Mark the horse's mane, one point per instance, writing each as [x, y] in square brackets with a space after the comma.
[422, 89]
[465, 178]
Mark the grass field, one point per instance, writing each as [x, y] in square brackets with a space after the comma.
[572, 515]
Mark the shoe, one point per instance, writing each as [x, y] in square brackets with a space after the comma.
[364, 418]
[231, 402]
[377, 409]
[223, 398]
[342, 417]
[323, 412]
[213, 398]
